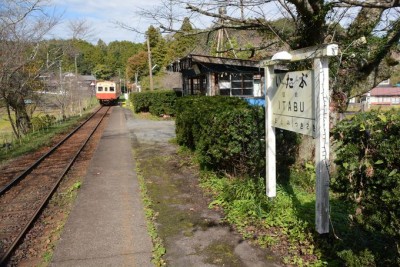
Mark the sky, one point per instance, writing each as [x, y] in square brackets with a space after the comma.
[100, 15]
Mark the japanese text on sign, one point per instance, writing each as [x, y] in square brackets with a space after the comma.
[293, 104]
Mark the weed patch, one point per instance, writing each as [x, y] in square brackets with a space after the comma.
[158, 247]
[35, 140]
[285, 224]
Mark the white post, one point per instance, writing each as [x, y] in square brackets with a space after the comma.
[270, 135]
[321, 69]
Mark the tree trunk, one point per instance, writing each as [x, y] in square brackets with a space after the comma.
[20, 122]
[22, 119]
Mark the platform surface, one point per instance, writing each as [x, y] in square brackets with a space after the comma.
[107, 225]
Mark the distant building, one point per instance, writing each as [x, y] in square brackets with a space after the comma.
[382, 96]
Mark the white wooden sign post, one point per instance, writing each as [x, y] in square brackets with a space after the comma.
[299, 101]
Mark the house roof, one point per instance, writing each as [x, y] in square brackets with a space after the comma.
[87, 77]
[385, 91]
[193, 64]
[224, 61]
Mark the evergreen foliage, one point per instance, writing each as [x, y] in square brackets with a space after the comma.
[226, 133]
[182, 43]
[158, 103]
[137, 65]
[368, 169]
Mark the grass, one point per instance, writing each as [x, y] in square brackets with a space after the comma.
[6, 133]
[35, 140]
[5, 129]
[62, 201]
[285, 224]
[286, 219]
[158, 247]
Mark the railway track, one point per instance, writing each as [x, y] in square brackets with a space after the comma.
[24, 197]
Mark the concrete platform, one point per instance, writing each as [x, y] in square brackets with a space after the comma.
[107, 226]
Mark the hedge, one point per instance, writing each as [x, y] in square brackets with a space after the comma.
[226, 133]
[158, 103]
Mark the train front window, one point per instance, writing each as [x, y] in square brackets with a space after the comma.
[100, 88]
[111, 89]
[106, 89]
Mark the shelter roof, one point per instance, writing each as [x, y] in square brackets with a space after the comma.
[202, 63]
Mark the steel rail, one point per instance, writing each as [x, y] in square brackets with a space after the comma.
[28, 170]
[36, 214]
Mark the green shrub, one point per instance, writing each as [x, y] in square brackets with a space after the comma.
[233, 141]
[368, 169]
[42, 122]
[194, 114]
[226, 133]
[364, 259]
[160, 102]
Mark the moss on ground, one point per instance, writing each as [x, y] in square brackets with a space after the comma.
[176, 209]
[221, 254]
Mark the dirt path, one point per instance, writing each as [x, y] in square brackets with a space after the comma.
[193, 234]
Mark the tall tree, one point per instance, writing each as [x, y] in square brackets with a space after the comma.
[23, 25]
[154, 36]
[137, 66]
[182, 42]
[118, 53]
[158, 48]
[367, 32]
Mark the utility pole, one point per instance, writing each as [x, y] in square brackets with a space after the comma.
[136, 81]
[150, 68]
[222, 32]
[61, 76]
[241, 10]
[76, 66]
[78, 85]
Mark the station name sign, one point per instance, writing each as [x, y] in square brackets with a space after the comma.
[293, 102]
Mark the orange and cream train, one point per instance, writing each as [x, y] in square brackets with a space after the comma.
[107, 92]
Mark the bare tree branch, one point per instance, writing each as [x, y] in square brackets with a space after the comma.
[23, 25]
[81, 29]
[369, 3]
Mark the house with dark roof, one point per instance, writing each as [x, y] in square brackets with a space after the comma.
[208, 75]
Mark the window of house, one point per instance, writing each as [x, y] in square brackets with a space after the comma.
[224, 83]
[242, 84]
[199, 85]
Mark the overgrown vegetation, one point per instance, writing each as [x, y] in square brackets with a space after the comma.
[228, 135]
[38, 138]
[364, 216]
[368, 176]
[158, 103]
[158, 247]
[42, 122]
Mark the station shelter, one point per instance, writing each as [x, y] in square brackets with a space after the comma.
[208, 75]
